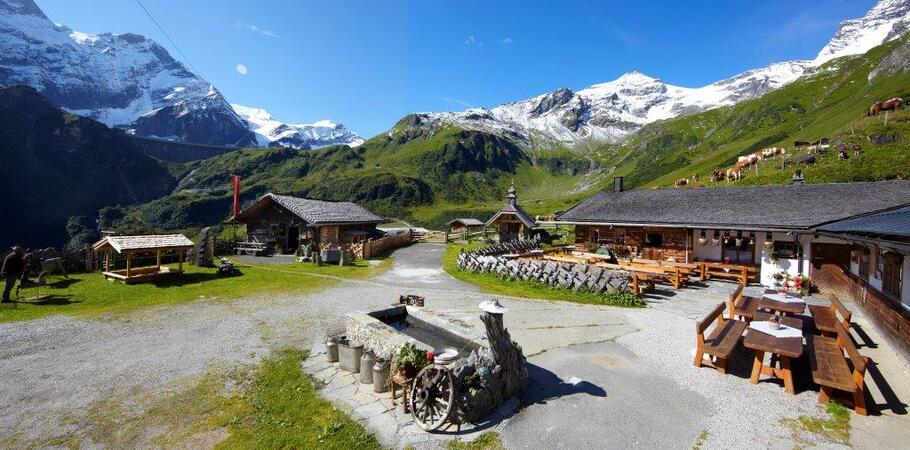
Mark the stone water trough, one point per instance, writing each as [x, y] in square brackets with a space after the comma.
[489, 369]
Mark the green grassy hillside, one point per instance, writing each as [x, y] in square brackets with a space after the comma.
[830, 103]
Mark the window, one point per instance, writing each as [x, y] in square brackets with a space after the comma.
[654, 240]
[785, 249]
[740, 254]
[892, 268]
[863, 262]
[595, 236]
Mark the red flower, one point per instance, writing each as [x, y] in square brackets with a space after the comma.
[430, 355]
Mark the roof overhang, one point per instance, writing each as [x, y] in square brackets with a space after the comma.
[707, 226]
[900, 247]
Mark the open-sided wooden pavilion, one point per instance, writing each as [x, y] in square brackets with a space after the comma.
[130, 246]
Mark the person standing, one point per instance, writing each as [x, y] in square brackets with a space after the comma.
[13, 266]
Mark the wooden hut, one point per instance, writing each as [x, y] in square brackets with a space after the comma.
[284, 223]
[512, 222]
[464, 225]
[130, 246]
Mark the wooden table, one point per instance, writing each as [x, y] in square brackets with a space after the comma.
[776, 303]
[795, 322]
[782, 350]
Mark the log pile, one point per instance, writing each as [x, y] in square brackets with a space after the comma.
[577, 277]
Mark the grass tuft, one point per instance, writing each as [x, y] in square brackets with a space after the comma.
[489, 440]
[835, 428]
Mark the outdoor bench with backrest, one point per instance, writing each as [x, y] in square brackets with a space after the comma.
[675, 276]
[736, 272]
[722, 340]
[825, 318]
[741, 306]
[832, 370]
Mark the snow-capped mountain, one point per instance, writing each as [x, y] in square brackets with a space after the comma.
[270, 131]
[608, 112]
[887, 20]
[122, 80]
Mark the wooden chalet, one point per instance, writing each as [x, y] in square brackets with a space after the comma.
[512, 222]
[132, 246]
[464, 225]
[858, 232]
[283, 223]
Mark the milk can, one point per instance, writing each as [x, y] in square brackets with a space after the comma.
[366, 367]
[380, 376]
[349, 356]
[331, 350]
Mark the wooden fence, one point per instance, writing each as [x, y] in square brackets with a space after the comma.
[386, 244]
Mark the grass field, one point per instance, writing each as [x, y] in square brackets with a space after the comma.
[268, 405]
[90, 294]
[527, 289]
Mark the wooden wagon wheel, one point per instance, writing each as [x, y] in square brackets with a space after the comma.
[432, 397]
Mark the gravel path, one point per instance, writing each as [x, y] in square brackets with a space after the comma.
[600, 376]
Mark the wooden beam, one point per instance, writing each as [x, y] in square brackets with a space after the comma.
[158, 259]
[129, 264]
[180, 262]
[107, 261]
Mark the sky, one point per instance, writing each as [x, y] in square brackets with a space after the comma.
[368, 63]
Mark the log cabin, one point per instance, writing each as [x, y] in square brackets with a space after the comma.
[512, 222]
[285, 223]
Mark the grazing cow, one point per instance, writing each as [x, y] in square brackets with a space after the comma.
[682, 182]
[772, 152]
[717, 175]
[695, 178]
[799, 145]
[891, 104]
[733, 174]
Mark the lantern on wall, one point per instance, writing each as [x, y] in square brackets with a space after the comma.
[702, 239]
[768, 241]
[716, 239]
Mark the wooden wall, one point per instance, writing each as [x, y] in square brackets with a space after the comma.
[674, 240]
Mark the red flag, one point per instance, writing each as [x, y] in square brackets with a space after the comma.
[235, 181]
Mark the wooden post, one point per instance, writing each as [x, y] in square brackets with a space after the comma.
[107, 261]
[180, 261]
[129, 264]
[158, 259]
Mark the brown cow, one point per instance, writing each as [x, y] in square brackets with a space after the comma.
[682, 182]
[733, 174]
[892, 104]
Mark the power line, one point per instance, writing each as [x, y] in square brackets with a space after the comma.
[168, 37]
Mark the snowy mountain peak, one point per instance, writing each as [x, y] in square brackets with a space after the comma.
[21, 7]
[270, 131]
[887, 20]
[612, 110]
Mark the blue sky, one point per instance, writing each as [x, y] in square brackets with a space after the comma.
[368, 63]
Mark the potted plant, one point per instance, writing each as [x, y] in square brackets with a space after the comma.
[409, 360]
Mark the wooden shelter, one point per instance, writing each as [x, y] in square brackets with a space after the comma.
[465, 225]
[512, 222]
[284, 223]
[130, 246]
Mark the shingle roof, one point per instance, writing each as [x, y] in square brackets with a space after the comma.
[771, 206]
[468, 222]
[319, 212]
[146, 242]
[518, 212]
[890, 223]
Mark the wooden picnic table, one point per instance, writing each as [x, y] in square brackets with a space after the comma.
[781, 304]
[737, 272]
[782, 350]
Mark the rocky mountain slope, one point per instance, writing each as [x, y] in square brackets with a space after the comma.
[611, 111]
[129, 81]
[122, 80]
[301, 136]
[57, 165]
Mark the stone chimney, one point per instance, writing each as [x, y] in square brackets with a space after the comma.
[617, 184]
[797, 177]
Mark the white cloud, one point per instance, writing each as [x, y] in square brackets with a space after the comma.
[456, 100]
[506, 41]
[256, 29]
[241, 69]
[470, 40]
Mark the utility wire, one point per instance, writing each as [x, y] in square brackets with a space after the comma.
[168, 37]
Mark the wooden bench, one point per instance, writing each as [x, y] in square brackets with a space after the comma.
[741, 306]
[733, 271]
[721, 342]
[825, 317]
[673, 275]
[251, 248]
[833, 371]
[641, 283]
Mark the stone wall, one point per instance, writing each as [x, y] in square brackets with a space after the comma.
[577, 277]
